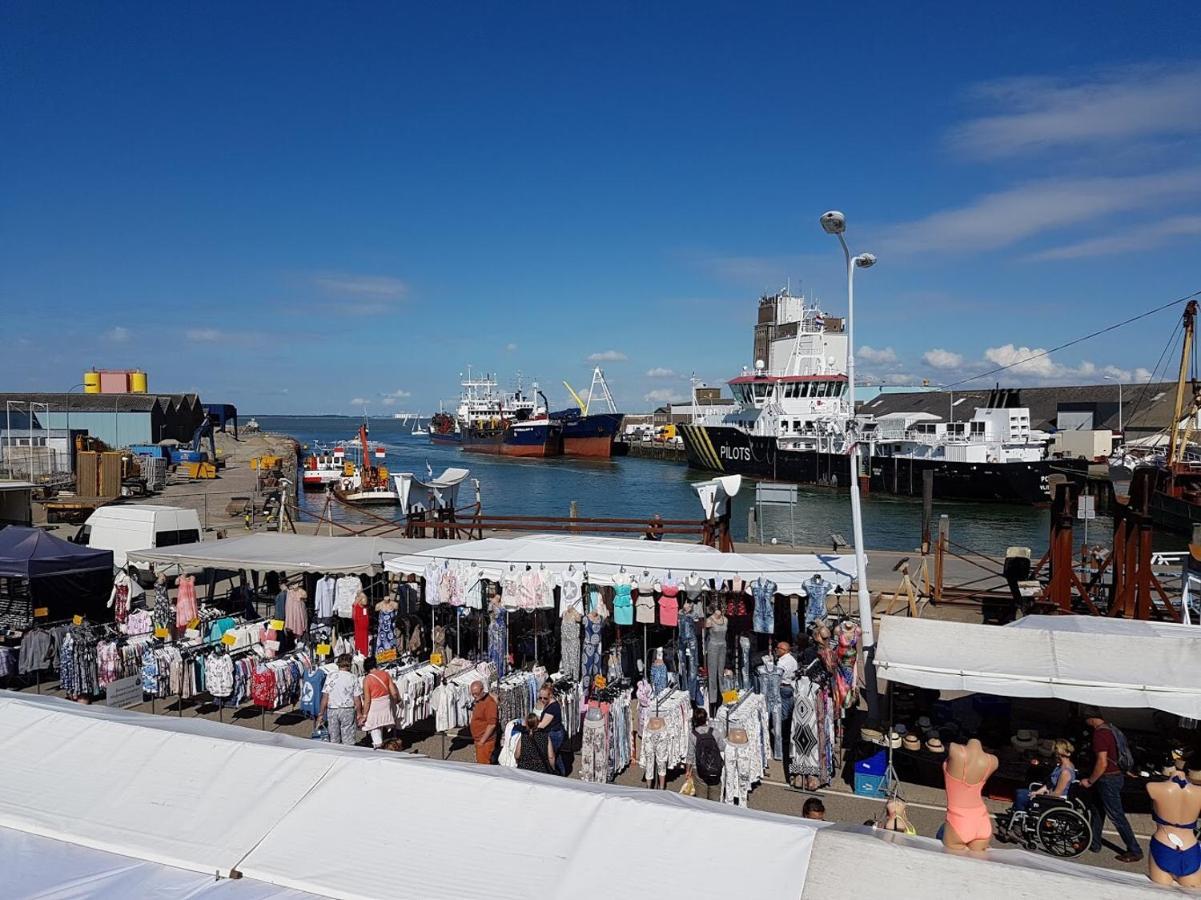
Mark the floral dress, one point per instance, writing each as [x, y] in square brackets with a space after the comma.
[592, 648]
[164, 615]
[385, 639]
[498, 640]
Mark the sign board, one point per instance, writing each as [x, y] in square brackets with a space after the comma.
[41, 612]
[78, 620]
[229, 639]
[766, 492]
[277, 625]
[124, 692]
[191, 634]
[273, 646]
[435, 659]
[386, 655]
[323, 649]
[1086, 507]
[161, 632]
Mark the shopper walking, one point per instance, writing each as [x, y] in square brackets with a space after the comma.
[485, 718]
[552, 723]
[1106, 780]
[380, 696]
[342, 703]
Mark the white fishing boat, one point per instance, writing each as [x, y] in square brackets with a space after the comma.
[369, 484]
[323, 466]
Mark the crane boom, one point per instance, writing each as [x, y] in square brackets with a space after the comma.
[576, 397]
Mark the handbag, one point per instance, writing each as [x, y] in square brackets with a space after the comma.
[320, 733]
[688, 788]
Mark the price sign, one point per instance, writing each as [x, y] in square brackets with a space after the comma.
[161, 632]
[271, 645]
[229, 639]
[124, 692]
[194, 624]
[386, 655]
[277, 625]
[78, 620]
[435, 659]
[41, 612]
[191, 634]
[323, 649]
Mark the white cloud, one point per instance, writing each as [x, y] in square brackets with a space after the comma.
[117, 335]
[1023, 360]
[660, 372]
[362, 285]
[1015, 214]
[359, 401]
[510, 347]
[1138, 237]
[1141, 374]
[399, 394]
[607, 356]
[1110, 107]
[209, 335]
[942, 359]
[663, 395]
[871, 354]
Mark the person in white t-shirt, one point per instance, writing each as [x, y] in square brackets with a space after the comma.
[342, 703]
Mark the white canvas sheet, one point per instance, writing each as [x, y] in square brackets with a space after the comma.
[606, 557]
[1121, 664]
[286, 552]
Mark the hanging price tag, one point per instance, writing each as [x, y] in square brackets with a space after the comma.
[271, 645]
[193, 624]
[385, 656]
[277, 624]
[161, 632]
[191, 634]
[229, 639]
[78, 620]
[323, 649]
[41, 612]
[435, 659]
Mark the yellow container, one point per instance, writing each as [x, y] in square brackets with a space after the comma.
[91, 382]
[137, 382]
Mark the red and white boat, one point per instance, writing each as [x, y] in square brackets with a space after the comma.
[324, 466]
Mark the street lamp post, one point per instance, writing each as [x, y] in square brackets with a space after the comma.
[71, 443]
[1121, 430]
[835, 223]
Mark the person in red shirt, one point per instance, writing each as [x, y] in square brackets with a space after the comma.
[1106, 780]
[485, 718]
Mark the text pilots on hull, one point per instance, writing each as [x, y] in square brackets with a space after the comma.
[514, 423]
[793, 422]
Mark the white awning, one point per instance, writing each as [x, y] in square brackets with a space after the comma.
[285, 552]
[1104, 662]
[605, 557]
[108, 802]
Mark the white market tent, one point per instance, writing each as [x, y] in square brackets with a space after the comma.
[605, 557]
[1104, 662]
[198, 799]
[285, 552]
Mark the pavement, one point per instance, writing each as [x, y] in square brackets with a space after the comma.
[927, 806]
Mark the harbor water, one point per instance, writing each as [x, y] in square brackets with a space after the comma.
[636, 488]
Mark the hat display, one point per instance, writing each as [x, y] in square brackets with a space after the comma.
[1046, 747]
[872, 735]
[894, 740]
[901, 728]
[911, 742]
[1025, 740]
[923, 723]
[934, 745]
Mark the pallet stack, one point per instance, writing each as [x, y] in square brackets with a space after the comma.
[110, 474]
[87, 473]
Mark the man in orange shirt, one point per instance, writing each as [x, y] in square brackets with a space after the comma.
[484, 721]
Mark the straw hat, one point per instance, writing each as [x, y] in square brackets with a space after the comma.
[911, 742]
[894, 740]
[934, 745]
[1026, 739]
[872, 736]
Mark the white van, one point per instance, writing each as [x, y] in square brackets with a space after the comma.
[125, 528]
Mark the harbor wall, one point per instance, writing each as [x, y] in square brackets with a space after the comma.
[652, 450]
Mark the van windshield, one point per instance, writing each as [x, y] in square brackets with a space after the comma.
[82, 536]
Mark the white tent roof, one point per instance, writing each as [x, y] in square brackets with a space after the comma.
[1105, 662]
[605, 557]
[102, 801]
[286, 552]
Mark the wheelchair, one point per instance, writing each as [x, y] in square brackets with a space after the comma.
[1060, 826]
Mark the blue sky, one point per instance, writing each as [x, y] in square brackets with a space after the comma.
[298, 207]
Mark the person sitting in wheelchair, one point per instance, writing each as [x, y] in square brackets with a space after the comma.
[1059, 783]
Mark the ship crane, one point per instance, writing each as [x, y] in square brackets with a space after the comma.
[598, 381]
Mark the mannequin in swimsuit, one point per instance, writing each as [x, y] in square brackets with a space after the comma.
[1175, 854]
[967, 767]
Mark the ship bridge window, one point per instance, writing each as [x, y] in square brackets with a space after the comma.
[761, 390]
[821, 389]
[977, 427]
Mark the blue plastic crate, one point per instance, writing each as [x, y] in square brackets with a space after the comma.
[876, 764]
[870, 785]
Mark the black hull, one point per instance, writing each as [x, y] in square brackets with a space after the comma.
[733, 452]
[1174, 514]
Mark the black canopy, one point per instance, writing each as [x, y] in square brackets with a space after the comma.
[32, 553]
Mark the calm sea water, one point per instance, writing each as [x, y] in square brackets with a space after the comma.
[629, 487]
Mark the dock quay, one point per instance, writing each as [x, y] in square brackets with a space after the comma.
[657, 450]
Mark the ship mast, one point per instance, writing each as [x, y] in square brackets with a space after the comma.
[1175, 444]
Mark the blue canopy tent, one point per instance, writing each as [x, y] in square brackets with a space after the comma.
[41, 571]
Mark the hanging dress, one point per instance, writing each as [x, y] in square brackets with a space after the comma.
[361, 618]
[385, 637]
[569, 658]
[592, 648]
[185, 603]
[164, 615]
[498, 640]
[623, 605]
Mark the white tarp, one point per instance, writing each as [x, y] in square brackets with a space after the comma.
[286, 552]
[1109, 663]
[290, 813]
[605, 557]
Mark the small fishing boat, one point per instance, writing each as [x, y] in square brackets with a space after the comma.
[370, 483]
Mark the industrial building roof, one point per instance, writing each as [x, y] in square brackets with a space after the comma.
[1145, 408]
[105, 402]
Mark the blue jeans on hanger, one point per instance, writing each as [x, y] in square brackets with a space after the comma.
[744, 657]
[769, 681]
